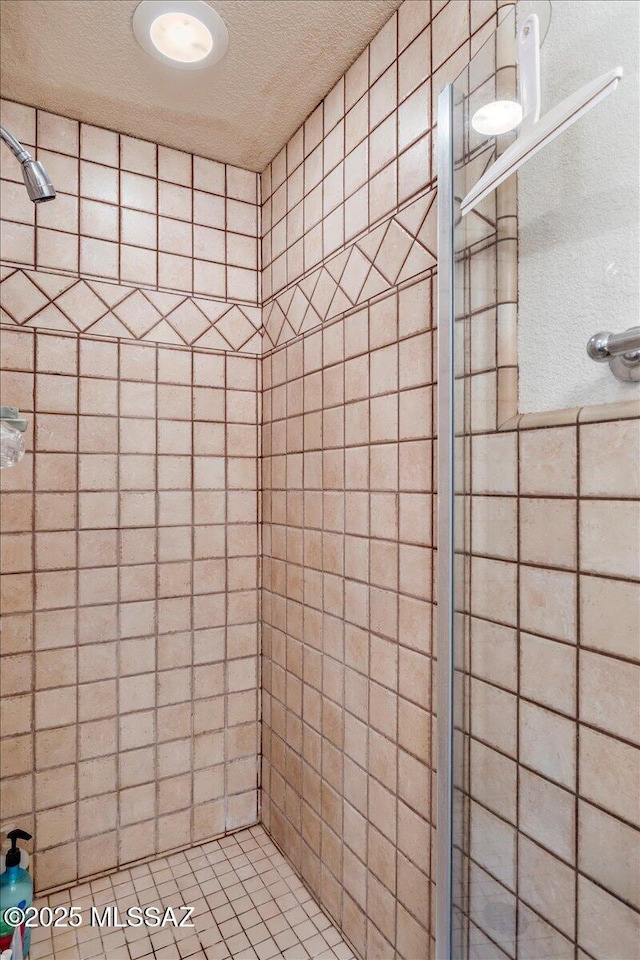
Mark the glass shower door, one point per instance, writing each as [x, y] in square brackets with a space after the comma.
[537, 758]
[484, 668]
[476, 331]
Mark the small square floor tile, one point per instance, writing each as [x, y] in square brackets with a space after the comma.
[248, 904]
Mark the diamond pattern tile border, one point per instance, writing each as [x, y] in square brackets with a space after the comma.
[397, 250]
[33, 298]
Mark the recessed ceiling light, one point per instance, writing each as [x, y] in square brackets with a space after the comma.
[188, 34]
[498, 117]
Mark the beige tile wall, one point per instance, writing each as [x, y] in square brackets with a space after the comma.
[130, 691]
[142, 242]
[349, 244]
[129, 210]
[366, 148]
[129, 575]
[552, 760]
[347, 589]
[138, 548]
[549, 825]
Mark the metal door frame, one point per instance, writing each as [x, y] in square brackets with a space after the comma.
[445, 394]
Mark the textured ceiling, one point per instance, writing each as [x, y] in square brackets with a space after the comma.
[79, 58]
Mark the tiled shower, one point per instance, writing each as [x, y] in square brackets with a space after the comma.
[219, 552]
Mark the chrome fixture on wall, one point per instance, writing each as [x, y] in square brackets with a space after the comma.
[36, 179]
[12, 428]
[620, 350]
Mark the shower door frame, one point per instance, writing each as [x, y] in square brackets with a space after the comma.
[445, 518]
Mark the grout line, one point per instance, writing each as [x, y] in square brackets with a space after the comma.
[578, 710]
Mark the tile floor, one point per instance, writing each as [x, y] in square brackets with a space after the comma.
[248, 904]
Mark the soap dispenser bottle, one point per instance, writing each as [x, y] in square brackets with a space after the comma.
[16, 890]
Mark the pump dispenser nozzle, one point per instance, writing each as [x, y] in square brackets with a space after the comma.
[13, 855]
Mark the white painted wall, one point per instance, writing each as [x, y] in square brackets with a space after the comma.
[578, 213]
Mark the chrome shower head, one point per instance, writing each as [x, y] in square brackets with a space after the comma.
[36, 179]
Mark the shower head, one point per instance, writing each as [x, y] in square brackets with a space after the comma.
[36, 179]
